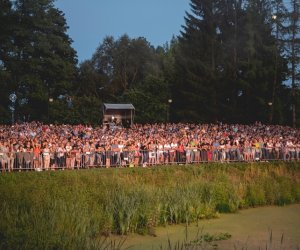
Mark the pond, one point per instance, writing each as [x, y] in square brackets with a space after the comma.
[263, 227]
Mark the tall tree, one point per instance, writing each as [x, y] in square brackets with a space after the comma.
[258, 69]
[124, 63]
[294, 53]
[277, 19]
[41, 59]
[6, 29]
[197, 60]
[225, 61]
[232, 37]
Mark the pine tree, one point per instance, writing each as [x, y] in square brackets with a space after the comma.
[197, 61]
[293, 47]
[225, 62]
[258, 69]
[277, 19]
[42, 61]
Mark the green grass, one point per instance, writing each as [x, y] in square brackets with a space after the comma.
[78, 209]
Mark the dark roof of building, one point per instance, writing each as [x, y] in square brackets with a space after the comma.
[118, 106]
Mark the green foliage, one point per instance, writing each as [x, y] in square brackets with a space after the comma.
[150, 100]
[225, 62]
[231, 59]
[37, 62]
[76, 209]
[210, 238]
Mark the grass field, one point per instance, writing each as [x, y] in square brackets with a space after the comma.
[78, 209]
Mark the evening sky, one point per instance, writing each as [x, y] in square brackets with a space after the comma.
[91, 21]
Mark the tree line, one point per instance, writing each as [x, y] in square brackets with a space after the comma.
[234, 61]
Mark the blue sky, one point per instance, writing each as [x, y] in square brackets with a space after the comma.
[90, 21]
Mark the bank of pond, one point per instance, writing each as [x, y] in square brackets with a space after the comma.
[78, 209]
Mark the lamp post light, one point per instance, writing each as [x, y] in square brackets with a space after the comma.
[271, 116]
[50, 100]
[168, 109]
[270, 104]
[12, 107]
[101, 89]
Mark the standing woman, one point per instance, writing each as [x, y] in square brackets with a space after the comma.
[11, 158]
[3, 156]
[86, 152]
[152, 153]
[28, 155]
[92, 154]
[20, 156]
[137, 155]
[277, 147]
[188, 152]
[73, 157]
[78, 157]
[247, 150]
[68, 150]
[180, 152]
[173, 151]
[36, 156]
[53, 162]
[46, 157]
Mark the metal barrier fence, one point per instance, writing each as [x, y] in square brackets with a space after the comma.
[22, 161]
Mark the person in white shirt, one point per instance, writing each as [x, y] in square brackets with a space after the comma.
[167, 148]
[46, 157]
[68, 150]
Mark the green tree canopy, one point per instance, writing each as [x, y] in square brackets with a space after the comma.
[40, 62]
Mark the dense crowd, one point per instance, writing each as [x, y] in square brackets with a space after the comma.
[38, 146]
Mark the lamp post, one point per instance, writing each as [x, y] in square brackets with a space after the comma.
[12, 107]
[168, 109]
[270, 104]
[101, 89]
[49, 101]
[274, 17]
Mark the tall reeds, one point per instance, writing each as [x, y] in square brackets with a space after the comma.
[78, 209]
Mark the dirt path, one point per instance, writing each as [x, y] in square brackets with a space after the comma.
[257, 228]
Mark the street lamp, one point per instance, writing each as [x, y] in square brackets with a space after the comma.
[101, 89]
[50, 100]
[271, 116]
[168, 109]
[12, 107]
[271, 112]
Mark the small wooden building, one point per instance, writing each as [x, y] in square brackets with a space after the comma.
[118, 114]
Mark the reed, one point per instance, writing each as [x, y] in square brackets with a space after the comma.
[78, 209]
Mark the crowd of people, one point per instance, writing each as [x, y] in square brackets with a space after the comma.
[37, 146]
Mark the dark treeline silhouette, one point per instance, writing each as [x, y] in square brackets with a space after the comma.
[235, 61]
